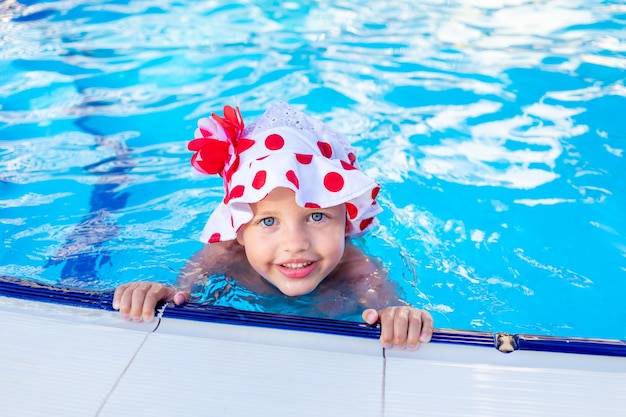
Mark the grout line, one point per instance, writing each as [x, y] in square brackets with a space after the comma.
[382, 393]
[106, 399]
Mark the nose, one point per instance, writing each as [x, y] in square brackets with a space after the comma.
[295, 239]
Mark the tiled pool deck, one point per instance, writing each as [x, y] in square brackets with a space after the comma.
[69, 361]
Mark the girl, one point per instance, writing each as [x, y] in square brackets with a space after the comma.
[294, 196]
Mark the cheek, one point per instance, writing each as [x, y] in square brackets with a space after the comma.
[256, 262]
[335, 243]
[258, 245]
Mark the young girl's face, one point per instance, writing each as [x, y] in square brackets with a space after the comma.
[292, 247]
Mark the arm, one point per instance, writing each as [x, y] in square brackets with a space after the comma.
[137, 300]
[402, 326]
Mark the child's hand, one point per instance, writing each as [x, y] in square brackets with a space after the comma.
[137, 300]
[401, 327]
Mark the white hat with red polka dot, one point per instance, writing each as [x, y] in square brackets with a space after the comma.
[282, 148]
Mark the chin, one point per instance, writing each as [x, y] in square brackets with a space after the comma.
[296, 292]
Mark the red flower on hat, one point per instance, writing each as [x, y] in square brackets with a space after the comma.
[232, 122]
[216, 139]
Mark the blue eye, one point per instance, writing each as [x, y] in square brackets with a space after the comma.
[268, 221]
[317, 217]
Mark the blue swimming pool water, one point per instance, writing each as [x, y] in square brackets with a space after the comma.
[496, 129]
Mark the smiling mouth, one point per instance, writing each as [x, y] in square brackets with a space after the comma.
[296, 265]
[296, 270]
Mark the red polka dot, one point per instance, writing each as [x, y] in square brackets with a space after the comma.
[237, 192]
[312, 205]
[363, 225]
[375, 192]
[259, 180]
[274, 142]
[352, 210]
[291, 176]
[347, 166]
[325, 148]
[333, 182]
[215, 237]
[304, 159]
[352, 158]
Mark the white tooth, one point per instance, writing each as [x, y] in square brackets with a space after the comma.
[296, 265]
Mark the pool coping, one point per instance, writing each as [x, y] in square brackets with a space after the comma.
[504, 342]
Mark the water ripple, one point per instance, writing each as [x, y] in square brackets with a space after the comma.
[494, 129]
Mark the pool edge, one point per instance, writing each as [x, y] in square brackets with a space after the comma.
[504, 342]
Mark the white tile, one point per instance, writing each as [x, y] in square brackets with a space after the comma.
[56, 361]
[448, 380]
[65, 361]
[189, 375]
[269, 336]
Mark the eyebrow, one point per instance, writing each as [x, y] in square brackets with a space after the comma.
[274, 213]
[270, 212]
[266, 213]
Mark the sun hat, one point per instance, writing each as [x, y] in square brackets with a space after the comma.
[282, 148]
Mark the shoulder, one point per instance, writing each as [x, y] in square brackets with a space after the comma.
[367, 278]
[355, 258]
[225, 250]
[355, 262]
[215, 258]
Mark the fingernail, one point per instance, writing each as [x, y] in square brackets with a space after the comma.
[411, 347]
[137, 319]
[371, 316]
[399, 347]
[125, 316]
[387, 345]
[116, 305]
[148, 318]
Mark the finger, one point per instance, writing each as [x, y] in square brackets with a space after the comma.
[386, 327]
[157, 293]
[154, 294]
[428, 325]
[117, 296]
[400, 327]
[414, 329]
[126, 300]
[137, 301]
[370, 316]
[181, 297]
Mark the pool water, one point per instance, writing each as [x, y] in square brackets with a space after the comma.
[496, 129]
